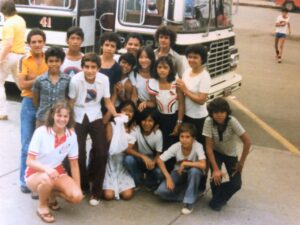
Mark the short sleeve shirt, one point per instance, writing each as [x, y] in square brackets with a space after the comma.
[174, 150]
[166, 100]
[283, 29]
[50, 93]
[71, 67]
[29, 65]
[196, 84]
[154, 140]
[15, 27]
[78, 92]
[228, 145]
[48, 151]
[140, 83]
[113, 74]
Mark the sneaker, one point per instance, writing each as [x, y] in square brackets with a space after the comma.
[25, 189]
[3, 117]
[187, 209]
[94, 201]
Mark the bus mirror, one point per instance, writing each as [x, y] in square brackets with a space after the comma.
[107, 21]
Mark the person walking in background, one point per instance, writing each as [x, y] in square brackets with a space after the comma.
[283, 28]
[52, 86]
[13, 48]
[32, 66]
[220, 129]
[72, 61]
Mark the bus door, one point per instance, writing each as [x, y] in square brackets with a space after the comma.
[86, 19]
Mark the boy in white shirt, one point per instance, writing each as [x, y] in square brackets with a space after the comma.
[283, 28]
[183, 182]
[87, 89]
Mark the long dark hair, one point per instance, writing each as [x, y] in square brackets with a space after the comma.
[128, 103]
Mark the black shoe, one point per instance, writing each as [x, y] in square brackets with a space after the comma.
[216, 206]
[25, 190]
[34, 195]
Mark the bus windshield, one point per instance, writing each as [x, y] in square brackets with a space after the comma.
[200, 15]
[66, 4]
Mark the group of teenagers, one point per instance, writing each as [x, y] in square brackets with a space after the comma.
[172, 136]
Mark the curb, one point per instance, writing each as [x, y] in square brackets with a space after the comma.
[257, 5]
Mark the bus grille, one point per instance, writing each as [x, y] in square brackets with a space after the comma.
[218, 61]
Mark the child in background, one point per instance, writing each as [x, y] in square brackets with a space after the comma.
[118, 182]
[183, 183]
[169, 101]
[142, 160]
[124, 90]
[52, 86]
[145, 65]
[220, 128]
[283, 28]
[72, 62]
[45, 175]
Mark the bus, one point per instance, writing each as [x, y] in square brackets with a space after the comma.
[206, 22]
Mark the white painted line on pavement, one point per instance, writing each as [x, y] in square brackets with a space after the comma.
[292, 148]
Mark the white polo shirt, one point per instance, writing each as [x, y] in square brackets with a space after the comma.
[43, 146]
[196, 84]
[78, 90]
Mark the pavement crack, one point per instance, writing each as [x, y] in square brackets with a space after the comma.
[8, 173]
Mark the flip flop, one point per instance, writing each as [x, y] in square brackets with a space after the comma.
[54, 206]
[46, 217]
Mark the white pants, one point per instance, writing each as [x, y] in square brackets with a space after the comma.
[8, 66]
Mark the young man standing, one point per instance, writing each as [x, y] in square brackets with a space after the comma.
[72, 62]
[87, 89]
[166, 38]
[13, 48]
[31, 66]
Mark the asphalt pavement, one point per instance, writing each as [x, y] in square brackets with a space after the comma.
[269, 194]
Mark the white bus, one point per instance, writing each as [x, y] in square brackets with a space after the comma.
[206, 22]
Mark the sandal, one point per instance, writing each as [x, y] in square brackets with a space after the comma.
[46, 217]
[54, 206]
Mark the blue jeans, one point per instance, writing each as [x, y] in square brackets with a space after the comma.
[137, 168]
[186, 186]
[27, 128]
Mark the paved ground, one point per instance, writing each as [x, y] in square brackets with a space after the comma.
[269, 194]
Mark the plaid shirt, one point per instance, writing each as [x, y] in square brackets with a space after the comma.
[49, 93]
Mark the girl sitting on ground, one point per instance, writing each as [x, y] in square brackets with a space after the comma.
[118, 182]
[45, 174]
[141, 160]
